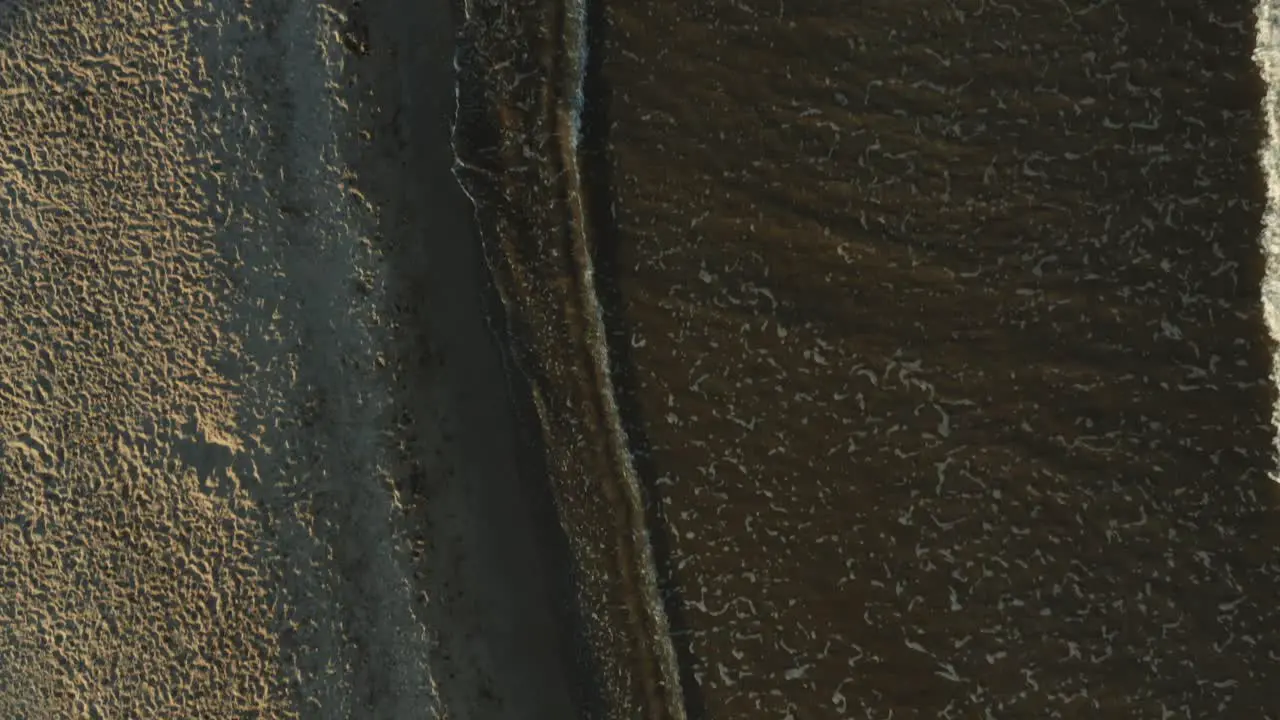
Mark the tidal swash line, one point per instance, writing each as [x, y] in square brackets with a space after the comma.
[551, 138]
[575, 48]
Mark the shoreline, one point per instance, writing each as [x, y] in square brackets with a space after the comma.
[544, 269]
[1268, 65]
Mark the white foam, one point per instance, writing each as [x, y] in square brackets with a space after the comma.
[1267, 56]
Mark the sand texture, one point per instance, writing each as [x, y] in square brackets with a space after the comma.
[260, 454]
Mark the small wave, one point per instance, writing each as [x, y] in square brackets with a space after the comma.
[1267, 57]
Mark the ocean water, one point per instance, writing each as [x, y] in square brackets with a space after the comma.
[936, 337]
[946, 352]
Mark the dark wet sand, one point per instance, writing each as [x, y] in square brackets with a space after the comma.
[939, 343]
[487, 542]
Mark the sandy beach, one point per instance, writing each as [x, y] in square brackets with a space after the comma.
[261, 456]
[732, 359]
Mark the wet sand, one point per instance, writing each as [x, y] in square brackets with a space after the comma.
[261, 457]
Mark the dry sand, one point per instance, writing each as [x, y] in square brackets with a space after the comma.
[259, 454]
